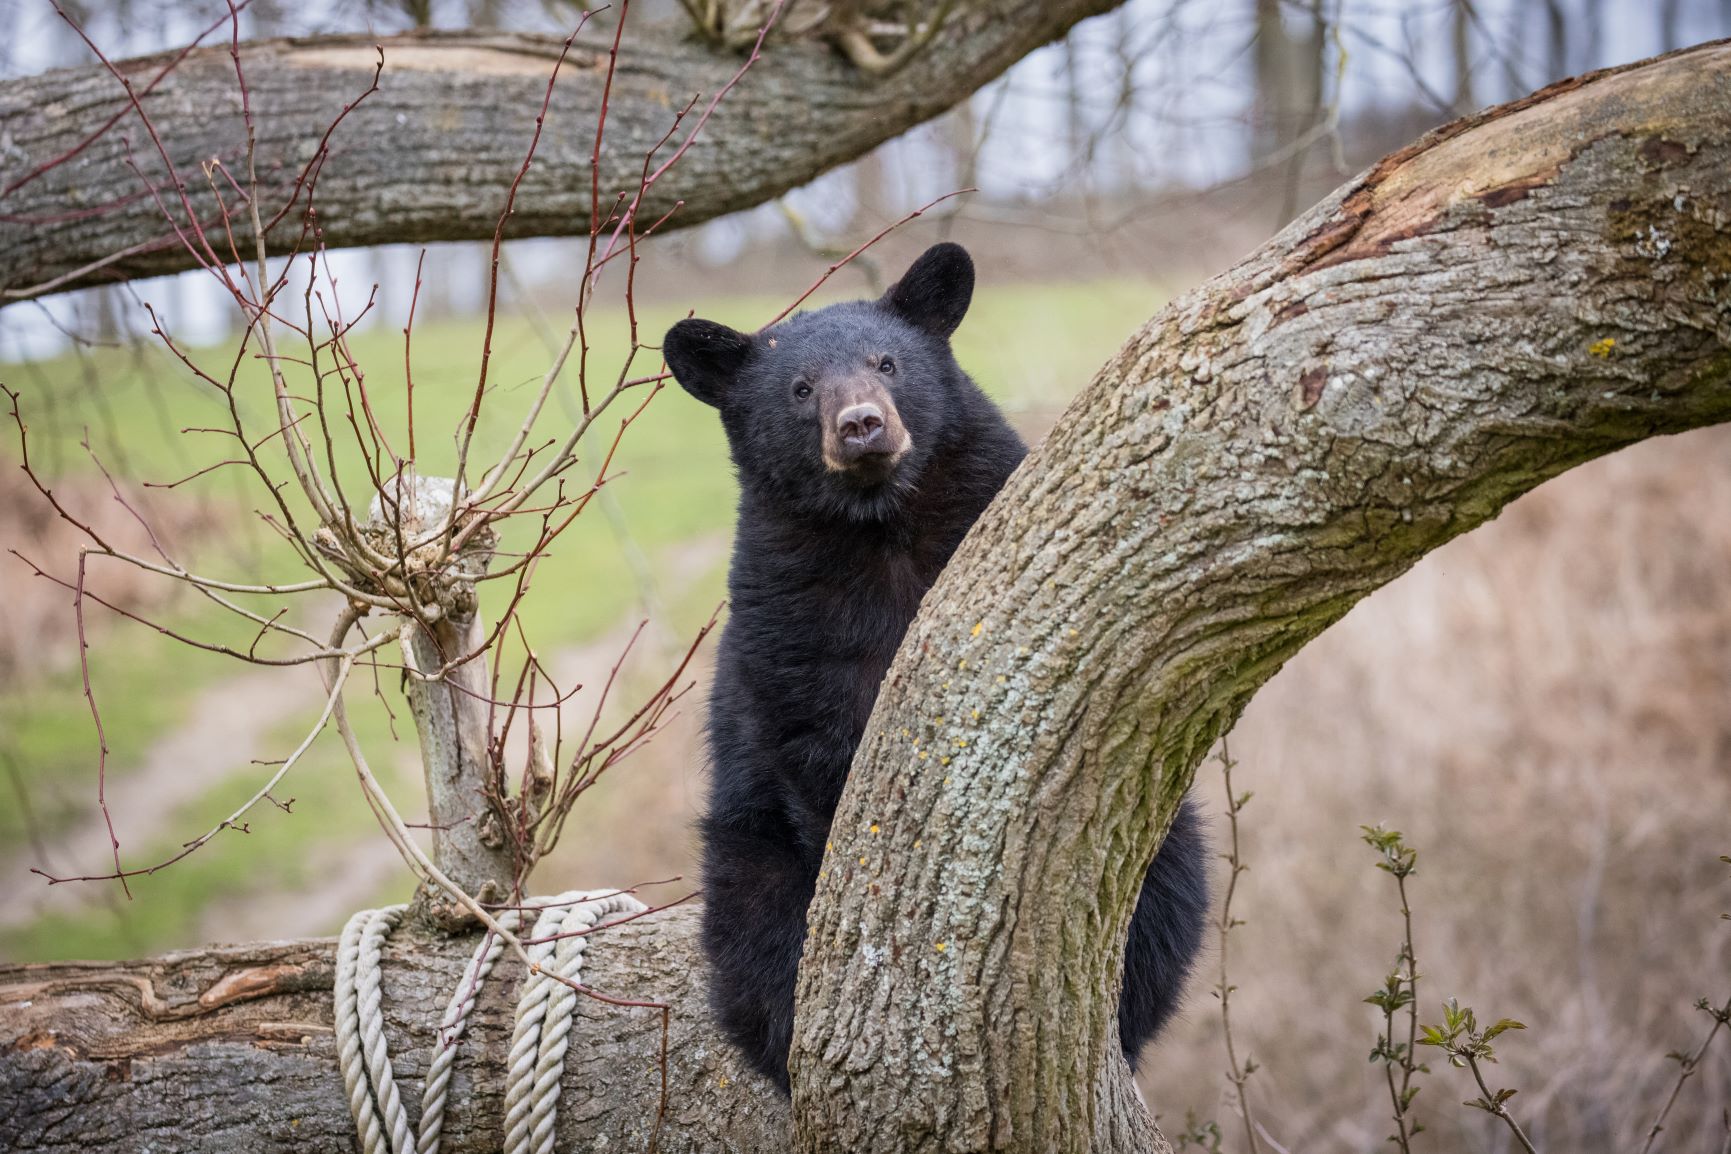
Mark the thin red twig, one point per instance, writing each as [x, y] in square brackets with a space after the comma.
[850, 257]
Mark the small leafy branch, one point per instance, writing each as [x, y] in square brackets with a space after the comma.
[1468, 1047]
[1689, 1062]
[1399, 990]
[1198, 1134]
[1238, 1073]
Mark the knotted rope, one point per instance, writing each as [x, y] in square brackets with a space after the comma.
[538, 1044]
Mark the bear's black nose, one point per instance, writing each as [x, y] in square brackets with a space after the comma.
[860, 425]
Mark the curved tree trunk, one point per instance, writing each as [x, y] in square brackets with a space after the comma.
[1514, 294]
[431, 155]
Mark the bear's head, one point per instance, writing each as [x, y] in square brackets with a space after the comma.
[835, 413]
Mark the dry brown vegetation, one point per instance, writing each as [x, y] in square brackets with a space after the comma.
[1542, 707]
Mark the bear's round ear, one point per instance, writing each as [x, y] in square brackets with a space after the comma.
[935, 291]
[705, 357]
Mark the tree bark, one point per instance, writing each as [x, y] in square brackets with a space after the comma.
[1512, 295]
[470, 845]
[1515, 294]
[431, 155]
[232, 1048]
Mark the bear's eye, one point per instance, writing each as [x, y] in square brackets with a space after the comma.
[887, 365]
[801, 390]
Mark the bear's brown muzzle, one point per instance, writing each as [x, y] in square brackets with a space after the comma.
[862, 431]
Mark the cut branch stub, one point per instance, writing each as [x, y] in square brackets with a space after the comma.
[1513, 295]
[444, 648]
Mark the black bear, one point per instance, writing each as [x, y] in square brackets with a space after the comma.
[864, 455]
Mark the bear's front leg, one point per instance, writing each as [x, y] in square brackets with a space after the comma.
[757, 885]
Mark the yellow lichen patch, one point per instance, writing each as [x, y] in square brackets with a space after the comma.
[1602, 348]
[917, 843]
[978, 625]
[922, 755]
[962, 664]
[976, 715]
[1002, 679]
[961, 743]
[944, 760]
[942, 946]
[722, 1081]
[862, 861]
[874, 827]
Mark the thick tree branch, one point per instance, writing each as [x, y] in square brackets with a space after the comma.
[1511, 296]
[429, 157]
[232, 1048]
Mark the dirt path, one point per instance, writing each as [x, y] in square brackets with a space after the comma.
[226, 726]
[348, 877]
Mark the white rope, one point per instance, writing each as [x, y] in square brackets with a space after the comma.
[373, 1100]
[544, 1012]
[433, 1092]
[538, 1043]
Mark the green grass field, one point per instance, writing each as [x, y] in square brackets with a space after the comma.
[1031, 346]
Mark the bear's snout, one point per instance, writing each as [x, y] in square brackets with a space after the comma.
[862, 432]
[861, 425]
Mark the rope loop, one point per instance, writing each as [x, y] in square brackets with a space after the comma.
[538, 1043]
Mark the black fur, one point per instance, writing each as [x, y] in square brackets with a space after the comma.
[828, 571]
